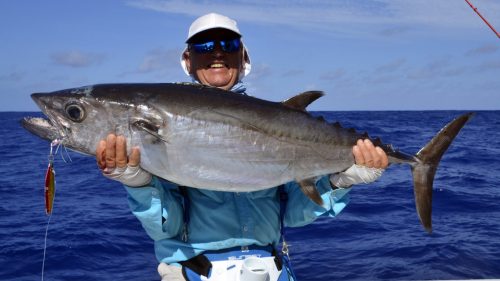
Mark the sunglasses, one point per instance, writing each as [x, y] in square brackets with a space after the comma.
[228, 46]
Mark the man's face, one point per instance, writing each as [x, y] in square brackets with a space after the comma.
[217, 68]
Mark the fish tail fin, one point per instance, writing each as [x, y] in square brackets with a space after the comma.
[424, 169]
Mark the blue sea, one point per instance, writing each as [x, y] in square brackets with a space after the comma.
[93, 236]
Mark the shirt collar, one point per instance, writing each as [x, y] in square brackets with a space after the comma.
[238, 88]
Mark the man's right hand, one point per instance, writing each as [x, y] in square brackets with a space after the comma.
[112, 159]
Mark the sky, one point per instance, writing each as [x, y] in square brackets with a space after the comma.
[364, 54]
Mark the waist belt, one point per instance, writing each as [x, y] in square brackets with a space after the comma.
[202, 264]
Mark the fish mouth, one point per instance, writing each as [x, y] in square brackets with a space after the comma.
[45, 128]
[41, 127]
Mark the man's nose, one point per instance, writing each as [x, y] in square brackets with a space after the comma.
[218, 52]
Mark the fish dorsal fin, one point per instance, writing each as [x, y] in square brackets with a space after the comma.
[301, 101]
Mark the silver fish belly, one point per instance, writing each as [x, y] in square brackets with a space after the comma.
[225, 157]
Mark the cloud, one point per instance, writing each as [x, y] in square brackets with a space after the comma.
[159, 59]
[437, 68]
[483, 50]
[383, 17]
[395, 30]
[383, 79]
[430, 70]
[489, 65]
[293, 73]
[76, 58]
[12, 77]
[334, 75]
[259, 71]
[391, 66]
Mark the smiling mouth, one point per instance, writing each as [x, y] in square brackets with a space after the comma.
[217, 65]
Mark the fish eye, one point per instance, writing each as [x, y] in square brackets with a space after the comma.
[75, 112]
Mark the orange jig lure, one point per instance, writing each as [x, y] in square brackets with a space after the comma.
[50, 188]
[50, 178]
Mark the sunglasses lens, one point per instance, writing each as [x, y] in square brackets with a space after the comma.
[230, 46]
[203, 48]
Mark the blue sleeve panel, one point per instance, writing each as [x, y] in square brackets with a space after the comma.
[220, 220]
[301, 210]
[158, 206]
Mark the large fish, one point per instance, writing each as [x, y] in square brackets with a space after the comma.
[204, 137]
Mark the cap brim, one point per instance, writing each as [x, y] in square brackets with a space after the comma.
[194, 37]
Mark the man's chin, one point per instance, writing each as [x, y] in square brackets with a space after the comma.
[221, 83]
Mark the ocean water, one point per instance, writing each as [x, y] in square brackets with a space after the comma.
[93, 236]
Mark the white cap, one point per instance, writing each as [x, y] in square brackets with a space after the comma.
[210, 21]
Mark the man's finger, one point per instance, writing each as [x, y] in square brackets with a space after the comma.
[367, 155]
[358, 155]
[384, 159]
[135, 157]
[110, 151]
[121, 152]
[100, 154]
[373, 152]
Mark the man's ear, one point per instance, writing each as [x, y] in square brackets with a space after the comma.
[187, 60]
[245, 66]
[246, 58]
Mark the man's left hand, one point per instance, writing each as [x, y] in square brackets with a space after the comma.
[366, 154]
[370, 162]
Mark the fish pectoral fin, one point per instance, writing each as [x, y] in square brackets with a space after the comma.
[309, 188]
[301, 101]
[149, 128]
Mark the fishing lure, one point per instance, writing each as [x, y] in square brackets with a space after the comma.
[50, 179]
[50, 187]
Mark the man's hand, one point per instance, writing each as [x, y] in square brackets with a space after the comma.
[365, 154]
[112, 159]
[370, 162]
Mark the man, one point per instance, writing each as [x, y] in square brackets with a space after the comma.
[211, 235]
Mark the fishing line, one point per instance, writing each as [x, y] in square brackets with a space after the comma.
[67, 155]
[50, 194]
[45, 240]
[58, 143]
[64, 154]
